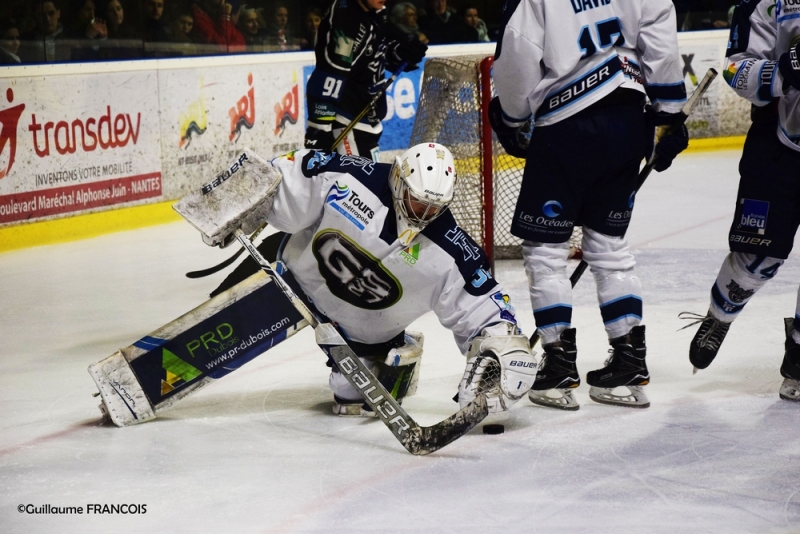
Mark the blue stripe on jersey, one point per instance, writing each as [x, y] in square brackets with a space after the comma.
[724, 304]
[471, 260]
[766, 77]
[556, 315]
[583, 86]
[617, 309]
[666, 92]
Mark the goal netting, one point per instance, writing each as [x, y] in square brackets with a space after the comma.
[453, 111]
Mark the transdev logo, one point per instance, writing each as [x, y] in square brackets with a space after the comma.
[552, 208]
[9, 118]
[753, 218]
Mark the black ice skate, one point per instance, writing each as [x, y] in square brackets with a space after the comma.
[707, 340]
[790, 370]
[625, 367]
[557, 375]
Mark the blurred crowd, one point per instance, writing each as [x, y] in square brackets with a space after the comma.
[36, 31]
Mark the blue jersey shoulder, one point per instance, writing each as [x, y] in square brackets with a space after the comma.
[472, 262]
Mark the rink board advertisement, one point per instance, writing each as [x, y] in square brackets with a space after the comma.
[216, 345]
[75, 143]
[209, 115]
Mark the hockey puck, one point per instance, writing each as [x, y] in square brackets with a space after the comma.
[493, 429]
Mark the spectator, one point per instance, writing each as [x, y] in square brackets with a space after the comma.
[469, 15]
[278, 27]
[251, 25]
[42, 42]
[118, 26]
[403, 22]
[154, 30]
[181, 27]
[87, 30]
[311, 23]
[214, 24]
[441, 26]
[83, 23]
[9, 42]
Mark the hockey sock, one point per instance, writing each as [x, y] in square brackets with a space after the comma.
[739, 278]
[549, 286]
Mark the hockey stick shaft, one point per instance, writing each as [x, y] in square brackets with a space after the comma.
[687, 109]
[366, 109]
[216, 268]
[416, 439]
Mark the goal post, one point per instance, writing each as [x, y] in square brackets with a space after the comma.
[454, 111]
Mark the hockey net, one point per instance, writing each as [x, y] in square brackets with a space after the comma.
[453, 111]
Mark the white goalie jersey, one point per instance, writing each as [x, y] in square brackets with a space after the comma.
[761, 32]
[555, 59]
[345, 254]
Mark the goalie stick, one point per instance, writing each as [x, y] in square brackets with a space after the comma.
[416, 439]
[687, 109]
[216, 268]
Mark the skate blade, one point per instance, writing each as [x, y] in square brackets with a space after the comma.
[565, 400]
[694, 370]
[790, 390]
[637, 398]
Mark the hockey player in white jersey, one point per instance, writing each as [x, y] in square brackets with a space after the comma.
[374, 247]
[579, 70]
[762, 66]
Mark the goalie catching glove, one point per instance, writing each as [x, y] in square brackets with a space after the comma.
[500, 366]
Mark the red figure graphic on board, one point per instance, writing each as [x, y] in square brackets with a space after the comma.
[8, 130]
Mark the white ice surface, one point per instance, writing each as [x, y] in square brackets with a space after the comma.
[259, 452]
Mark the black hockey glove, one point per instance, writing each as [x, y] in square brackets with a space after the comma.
[514, 140]
[789, 65]
[411, 51]
[669, 135]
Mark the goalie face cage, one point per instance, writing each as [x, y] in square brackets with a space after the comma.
[453, 111]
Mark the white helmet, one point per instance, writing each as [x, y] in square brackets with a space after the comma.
[423, 183]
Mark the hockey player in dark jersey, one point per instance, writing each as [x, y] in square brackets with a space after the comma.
[580, 72]
[762, 66]
[352, 51]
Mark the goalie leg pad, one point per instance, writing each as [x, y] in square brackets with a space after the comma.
[239, 197]
[124, 401]
[398, 372]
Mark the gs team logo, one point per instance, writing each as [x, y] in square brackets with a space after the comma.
[317, 160]
[503, 302]
[753, 218]
[552, 208]
[9, 118]
[354, 275]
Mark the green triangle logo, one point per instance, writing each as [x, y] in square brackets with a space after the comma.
[178, 368]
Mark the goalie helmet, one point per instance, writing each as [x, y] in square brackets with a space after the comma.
[423, 183]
